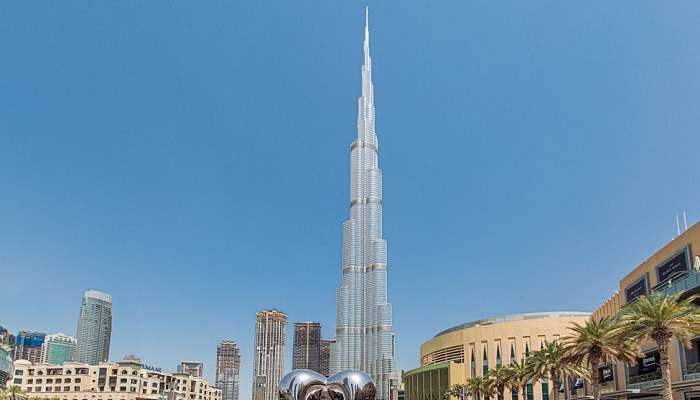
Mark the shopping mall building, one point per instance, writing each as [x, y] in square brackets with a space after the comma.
[465, 351]
[672, 269]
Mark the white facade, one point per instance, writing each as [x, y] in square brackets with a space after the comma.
[364, 333]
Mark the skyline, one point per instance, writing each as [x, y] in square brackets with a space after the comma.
[157, 193]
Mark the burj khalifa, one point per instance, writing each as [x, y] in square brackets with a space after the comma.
[364, 333]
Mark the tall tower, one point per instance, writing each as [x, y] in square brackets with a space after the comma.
[306, 352]
[269, 353]
[94, 327]
[228, 368]
[364, 332]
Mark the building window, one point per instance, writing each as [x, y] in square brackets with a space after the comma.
[485, 363]
[545, 391]
[19, 372]
[514, 394]
[528, 392]
[473, 365]
[512, 353]
[18, 381]
[498, 356]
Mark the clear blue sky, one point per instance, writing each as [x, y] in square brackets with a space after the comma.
[191, 159]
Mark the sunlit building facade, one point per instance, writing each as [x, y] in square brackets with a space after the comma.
[269, 353]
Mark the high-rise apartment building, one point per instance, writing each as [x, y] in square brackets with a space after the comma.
[306, 351]
[325, 356]
[58, 349]
[269, 353]
[94, 331]
[191, 368]
[364, 333]
[28, 346]
[228, 367]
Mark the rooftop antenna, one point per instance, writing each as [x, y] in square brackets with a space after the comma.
[678, 226]
[685, 220]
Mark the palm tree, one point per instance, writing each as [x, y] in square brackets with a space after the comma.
[520, 376]
[479, 388]
[501, 378]
[660, 317]
[553, 362]
[456, 390]
[14, 392]
[595, 341]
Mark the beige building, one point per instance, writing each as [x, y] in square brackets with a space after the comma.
[124, 380]
[673, 268]
[269, 353]
[457, 354]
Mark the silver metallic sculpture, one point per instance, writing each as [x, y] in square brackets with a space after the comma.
[304, 384]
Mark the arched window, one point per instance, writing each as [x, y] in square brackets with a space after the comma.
[473, 365]
[498, 356]
[485, 363]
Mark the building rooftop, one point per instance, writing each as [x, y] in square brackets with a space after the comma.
[515, 317]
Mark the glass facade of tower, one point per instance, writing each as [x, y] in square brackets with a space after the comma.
[364, 333]
[58, 349]
[94, 331]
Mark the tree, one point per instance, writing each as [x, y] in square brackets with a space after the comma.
[553, 362]
[479, 388]
[501, 379]
[14, 392]
[660, 317]
[457, 390]
[520, 376]
[593, 342]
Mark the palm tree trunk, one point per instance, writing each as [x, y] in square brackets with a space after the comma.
[662, 343]
[524, 390]
[555, 387]
[595, 364]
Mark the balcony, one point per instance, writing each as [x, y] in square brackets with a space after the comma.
[686, 282]
[644, 381]
[691, 371]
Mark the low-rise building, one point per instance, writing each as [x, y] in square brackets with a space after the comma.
[470, 350]
[124, 380]
[673, 268]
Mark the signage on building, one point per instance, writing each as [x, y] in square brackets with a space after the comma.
[606, 373]
[676, 265]
[152, 368]
[636, 289]
[649, 363]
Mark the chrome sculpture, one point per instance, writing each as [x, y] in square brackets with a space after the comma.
[304, 384]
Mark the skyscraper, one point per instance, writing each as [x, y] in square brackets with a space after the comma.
[94, 331]
[191, 368]
[325, 363]
[228, 367]
[58, 349]
[364, 332]
[28, 346]
[269, 353]
[306, 352]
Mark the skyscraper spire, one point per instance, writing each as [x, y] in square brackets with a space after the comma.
[367, 66]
